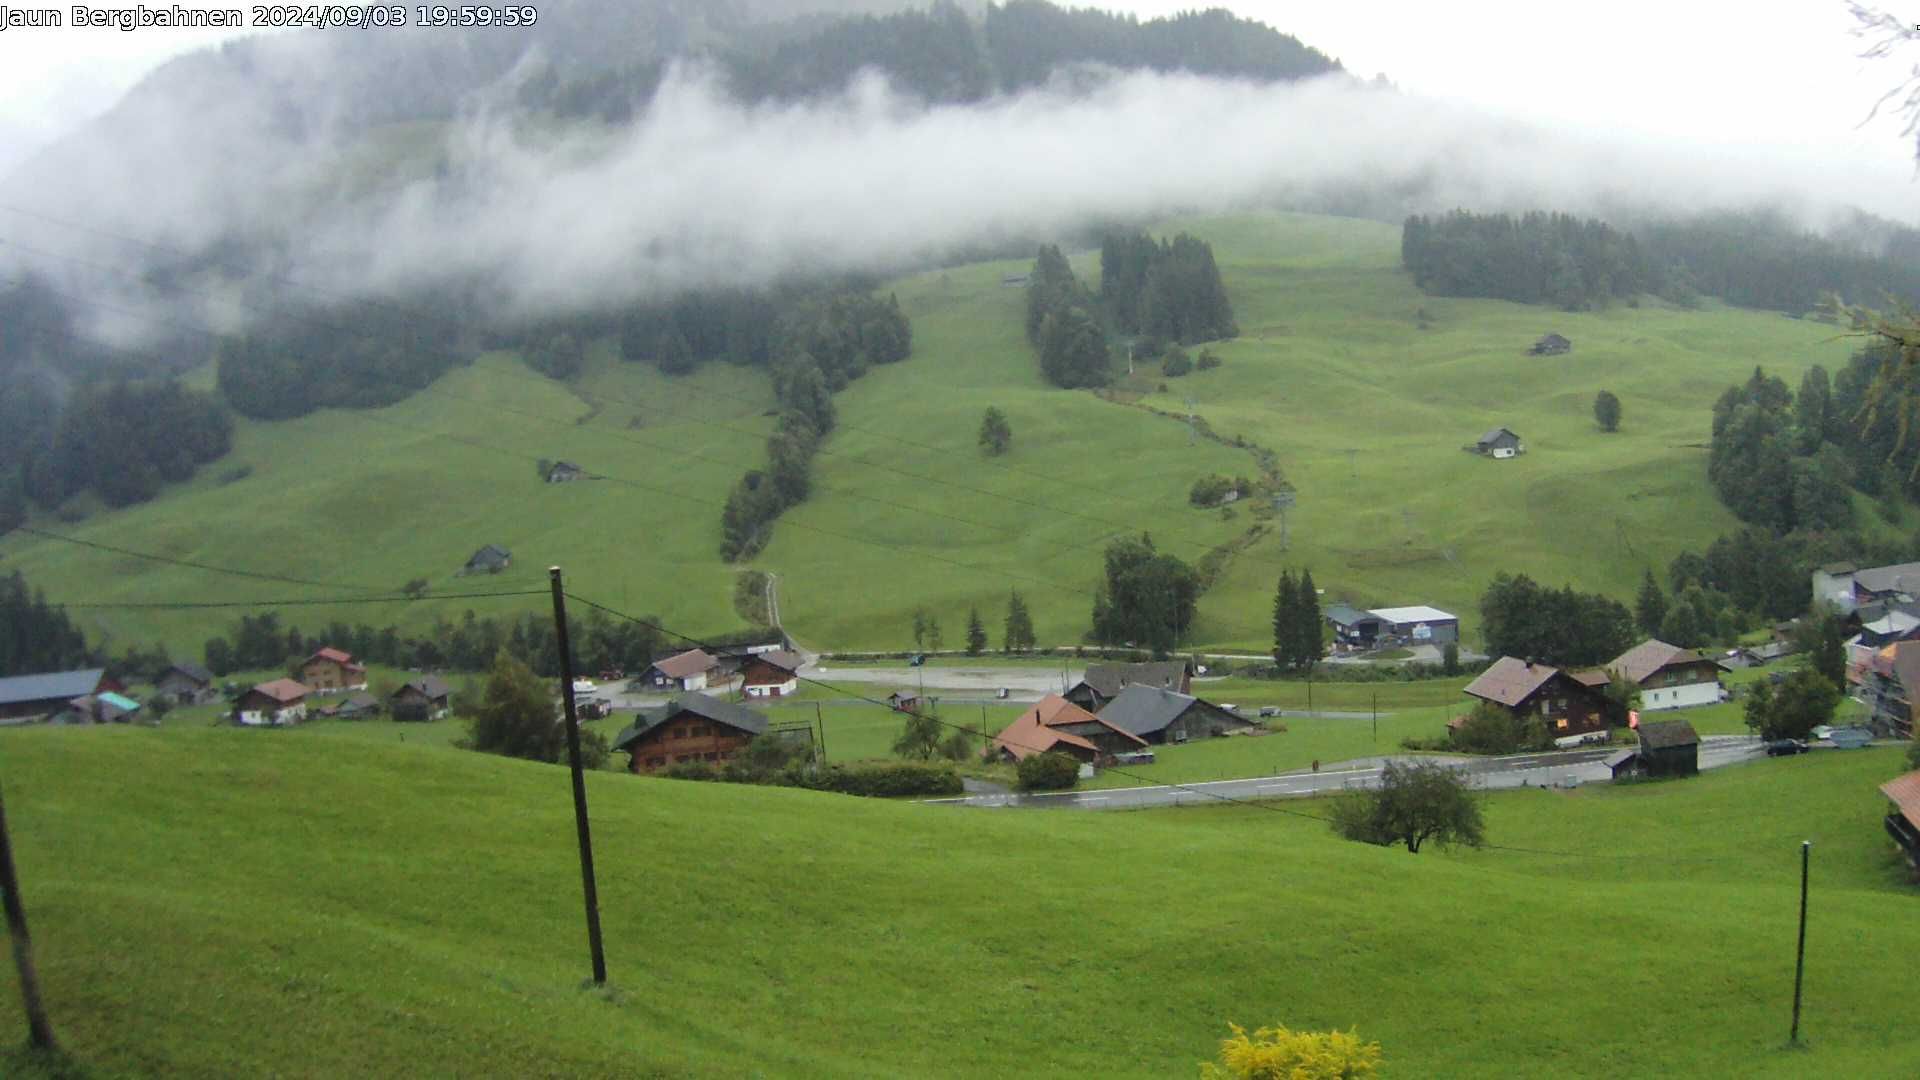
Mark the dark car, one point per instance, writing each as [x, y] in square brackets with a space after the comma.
[1778, 747]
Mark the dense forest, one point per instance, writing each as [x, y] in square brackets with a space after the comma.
[34, 635]
[1062, 326]
[941, 56]
[1754, 259]
[1167, 289]
[358, 356]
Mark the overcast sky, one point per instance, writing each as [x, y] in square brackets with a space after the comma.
[1785, 74]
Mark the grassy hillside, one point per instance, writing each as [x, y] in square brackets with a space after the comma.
[275, 902]
[908, 514]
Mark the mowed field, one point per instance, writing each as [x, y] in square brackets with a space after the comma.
[1366, 410]
[284, 903]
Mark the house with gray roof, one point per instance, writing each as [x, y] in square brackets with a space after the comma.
[1844, 587]
[29, 698]
[1501, 442]
[1104, 682]
[185, 684]
[427, 697]
[1159, 715]
[688, 729]
[490, 559]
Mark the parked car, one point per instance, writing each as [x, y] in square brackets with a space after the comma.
[1269, 710]
[584, 686]
[916, 660]
[1781, 747]
[1000, 693]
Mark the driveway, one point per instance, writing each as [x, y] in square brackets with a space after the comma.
[1560, 769]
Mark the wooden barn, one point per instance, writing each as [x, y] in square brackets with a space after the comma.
[1551, 345]
[692, 727]
[1669, 748]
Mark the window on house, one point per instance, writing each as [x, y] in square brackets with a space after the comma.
[1561, 723]
[679, 733]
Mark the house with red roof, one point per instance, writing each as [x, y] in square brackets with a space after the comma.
[1903, 821]
[1058, 725]
[332, 671]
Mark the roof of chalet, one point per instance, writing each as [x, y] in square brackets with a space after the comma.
[1494, 435]
[1900, 577]
[1619, 758]
[1594, 678]
[1892, 623]
[682, 665]
[1056, 711]
[430, 686]
[1640, 662]
[281, 690]
[344, 659]
[1554, 338]
[1415, 614]
[1667, 734]
[1027, 736]
[1142, 710]
[1510, 681]
[738, 717]
[490, 553]
[118, 701]
[1905, 793]
[192, 671]
[50, 686]
[1108, 680]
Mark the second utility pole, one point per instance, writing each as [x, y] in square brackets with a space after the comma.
[579, 780]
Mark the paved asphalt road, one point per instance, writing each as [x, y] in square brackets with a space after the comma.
[1557, 769]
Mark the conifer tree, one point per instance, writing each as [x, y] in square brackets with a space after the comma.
[1307, 621]
[976, 632]
[1285, 599]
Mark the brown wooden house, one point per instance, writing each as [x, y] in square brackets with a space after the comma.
[771, 674]
[690, 728]
[332, 670]
[1669, 748]
[270, 704]
[185, 684]
[424, 698]
[1568, 704]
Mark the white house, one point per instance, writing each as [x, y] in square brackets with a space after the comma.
[271, 704]
[1669, 677]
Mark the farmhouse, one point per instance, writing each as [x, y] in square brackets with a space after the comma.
[1165, 716]
[1569, 705]
[271, 704]
[1104, 682]
[424, 698]
[683, 671]
[771, 674]
[1056, 724]
[1669, 677]
[1845, 587]
[1890, 687]
[488, 560]
[1501, 442]
[562, 472]
[105, 707]
[1903, 821]
[690, 728]
[28, 698]
[185, 684]
[1551, 345]
[331, 670]
[1669, 748]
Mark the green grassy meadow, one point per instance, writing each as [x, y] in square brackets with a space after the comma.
[1366, 410]
[223, 902]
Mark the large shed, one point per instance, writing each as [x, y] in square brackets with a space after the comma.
[1669, 748]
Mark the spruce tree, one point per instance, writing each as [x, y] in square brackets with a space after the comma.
[1017, 635]
[976, 633]
[1650, 607]
[1285, 598]
[1307, 621]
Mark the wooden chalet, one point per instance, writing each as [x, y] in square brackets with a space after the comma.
[564, 472]
[425, 698]
[272, 704]
[690, 728]
[771, 674]
[1669, 677]
[1104, 682]
[1903, 821]
[1550, 345]
[687, 671]
[1568, 704]
[490, 559]
[1161, 716]
[1058, 725]
[330, 670]
[185, 684]
[1501, 442]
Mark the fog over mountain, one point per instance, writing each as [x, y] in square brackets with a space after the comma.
[289, 158]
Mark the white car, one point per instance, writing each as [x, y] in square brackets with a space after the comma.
[584, 686]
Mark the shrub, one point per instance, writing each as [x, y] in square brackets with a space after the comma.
[1275, 1053]
[1208, 360]
[1176, 363]
[1210, 490]
[1048, 772]
[1490, 729]
[878, 778]
[688, 770]
[1414, 804]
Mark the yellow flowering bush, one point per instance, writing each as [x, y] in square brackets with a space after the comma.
[1275, 1053]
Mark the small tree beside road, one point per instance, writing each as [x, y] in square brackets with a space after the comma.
[1415, 804]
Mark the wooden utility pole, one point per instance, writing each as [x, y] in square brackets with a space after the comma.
[579, 780]
[39, 1031]
[1800, 955]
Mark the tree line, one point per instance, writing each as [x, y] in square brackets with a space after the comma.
[819, 346]
[1535, 258]
[36, 636]
[1566, 627]
[349, 356]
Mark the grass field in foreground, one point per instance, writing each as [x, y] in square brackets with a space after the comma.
[218, 902]
[1366, 410]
